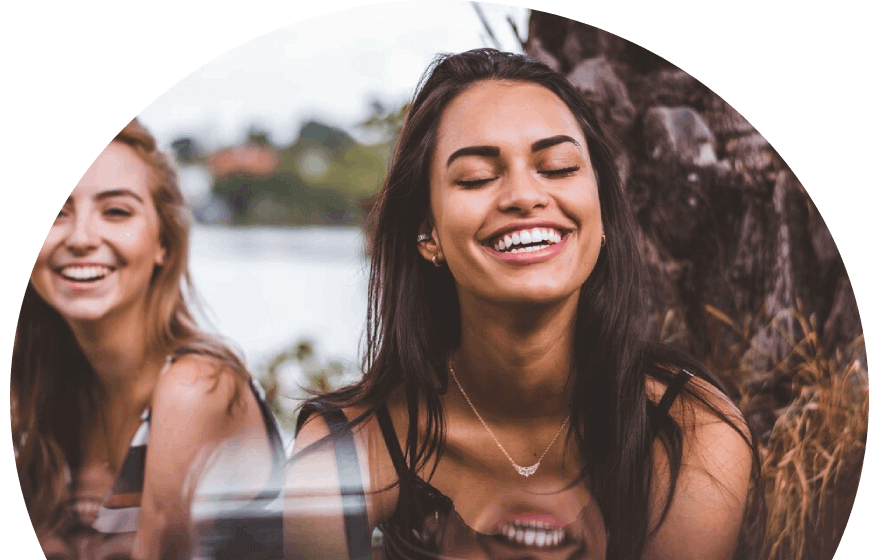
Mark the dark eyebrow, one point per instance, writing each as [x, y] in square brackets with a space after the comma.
[553, 141]
[118, 192]
[493, 151]
[482, 151]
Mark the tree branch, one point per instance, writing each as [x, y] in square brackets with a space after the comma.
[486, 25]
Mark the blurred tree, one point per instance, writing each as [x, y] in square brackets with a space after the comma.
[258, 137]
[187, 151]
[292, 372]
[236, 190]
[387, 121]
[320, 179]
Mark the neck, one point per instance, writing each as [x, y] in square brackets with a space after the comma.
[116, 348]
[517, 359]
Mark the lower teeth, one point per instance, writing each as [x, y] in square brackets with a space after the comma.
[529, 248]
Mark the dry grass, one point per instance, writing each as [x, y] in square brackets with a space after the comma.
[812, 457]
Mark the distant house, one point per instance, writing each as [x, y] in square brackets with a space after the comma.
[248, 160]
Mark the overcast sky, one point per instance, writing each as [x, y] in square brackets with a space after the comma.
[328, 67]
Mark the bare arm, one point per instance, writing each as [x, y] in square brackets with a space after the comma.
[707, 508]
[313, 520]
[191, 420]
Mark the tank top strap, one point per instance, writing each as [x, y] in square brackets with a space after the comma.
[391, 442]
[275, 483]
[673, 390]
[351, 486]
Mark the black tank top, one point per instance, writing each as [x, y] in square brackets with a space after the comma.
[425, 525]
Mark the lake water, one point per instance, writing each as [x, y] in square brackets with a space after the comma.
[265, 288]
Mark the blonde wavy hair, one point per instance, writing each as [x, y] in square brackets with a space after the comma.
[53, 385]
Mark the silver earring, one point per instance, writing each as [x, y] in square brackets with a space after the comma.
[423, 237]
[437, 262]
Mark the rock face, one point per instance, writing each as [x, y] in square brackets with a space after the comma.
[678, 133]
[746, 274]
[726, 223]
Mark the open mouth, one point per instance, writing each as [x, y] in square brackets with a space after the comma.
[84, 273]
[526, 240]
[532, 533]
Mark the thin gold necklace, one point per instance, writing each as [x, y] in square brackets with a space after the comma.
[524, 471]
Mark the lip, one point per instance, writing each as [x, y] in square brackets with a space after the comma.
[518, 226]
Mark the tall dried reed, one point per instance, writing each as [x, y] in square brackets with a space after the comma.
[812, 457]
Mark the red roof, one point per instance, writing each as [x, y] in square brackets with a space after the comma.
[248, 159]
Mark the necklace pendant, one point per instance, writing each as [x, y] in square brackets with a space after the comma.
[527, 471]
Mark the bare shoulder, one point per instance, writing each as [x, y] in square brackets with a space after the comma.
[709, 498]
[698, 404]
[198, 384]
[199, 403]
[193, 422]
[202, 401]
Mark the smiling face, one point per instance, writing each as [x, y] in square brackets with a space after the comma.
[100, 254]
[514, 198]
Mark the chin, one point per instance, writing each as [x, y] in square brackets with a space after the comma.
[83, 312]
[539, 297]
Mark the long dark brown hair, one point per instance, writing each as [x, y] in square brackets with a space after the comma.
[54, 388]
[413, 320]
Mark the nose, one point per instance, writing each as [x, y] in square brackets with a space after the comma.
[81, 237]
[523, 192]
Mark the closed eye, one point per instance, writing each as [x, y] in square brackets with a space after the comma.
[117, 212]
[562, 172]
[552, 173]
[473, 183]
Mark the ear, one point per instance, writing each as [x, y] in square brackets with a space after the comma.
[432, 247]
[160, 256]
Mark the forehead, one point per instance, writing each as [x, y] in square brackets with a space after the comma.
[495, 112]
[118, 167]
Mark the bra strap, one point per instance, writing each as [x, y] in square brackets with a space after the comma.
[354, 504]
[672, 391]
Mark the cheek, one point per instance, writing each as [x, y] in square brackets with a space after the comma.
[586, 204]
[42, 266]
[456, 233]
[459, 214]
[138, 245]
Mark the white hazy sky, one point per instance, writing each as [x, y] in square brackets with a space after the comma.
[328, 67]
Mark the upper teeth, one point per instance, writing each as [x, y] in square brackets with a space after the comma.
[85, 272]
[532, 533]
[526, 237]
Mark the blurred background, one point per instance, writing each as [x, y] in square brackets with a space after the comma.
[280, 145]
[282, 142]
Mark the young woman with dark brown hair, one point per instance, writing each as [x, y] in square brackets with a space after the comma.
[118, 398]
[513, 405]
